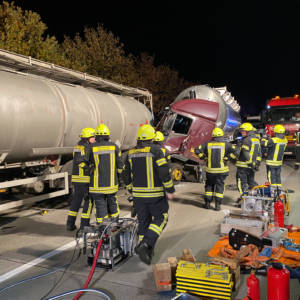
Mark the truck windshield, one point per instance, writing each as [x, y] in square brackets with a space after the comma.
[284, 114]
[182, 124]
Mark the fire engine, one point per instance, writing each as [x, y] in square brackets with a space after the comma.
[285, 111]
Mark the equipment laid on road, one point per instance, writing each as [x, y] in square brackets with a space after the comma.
[253, 290]
[239, 238]
[119, 239]
[274, 236]
[253, 224]
[204, 279]
[278, 282]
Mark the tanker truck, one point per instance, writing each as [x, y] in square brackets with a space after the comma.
[43, 108]
[189, 121]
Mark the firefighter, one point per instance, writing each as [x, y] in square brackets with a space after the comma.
[107, 166]
[147, 177]
[215, 152]
[249, 159]
[274, 152]
[81, 179]
[158, 139]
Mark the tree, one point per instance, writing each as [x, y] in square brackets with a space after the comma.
[100, 53]
[23, 32]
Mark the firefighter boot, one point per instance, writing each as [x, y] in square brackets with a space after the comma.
[71, 227]
[207, 205]
[71, 223]
[217, 205]
[144, 252]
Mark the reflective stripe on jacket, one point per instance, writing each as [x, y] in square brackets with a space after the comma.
[147, 171]
[80, 169]
[275, 150]
[216, 152]
[107, 164]
[250, 152]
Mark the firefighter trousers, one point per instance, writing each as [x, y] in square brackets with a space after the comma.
[274, 175]
[245, 179]
[152, 214]
[214, 186]
[106, 206]
[80, 192]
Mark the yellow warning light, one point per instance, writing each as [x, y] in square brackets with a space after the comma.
[296, 96]
[2, 190]
[277, 97]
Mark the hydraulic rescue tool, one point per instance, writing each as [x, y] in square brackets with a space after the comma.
[118, 237]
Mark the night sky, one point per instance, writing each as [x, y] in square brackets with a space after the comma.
[252, 48]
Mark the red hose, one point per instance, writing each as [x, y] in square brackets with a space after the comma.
[91, 272]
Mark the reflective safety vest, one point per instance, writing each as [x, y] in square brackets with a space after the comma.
[146, 172]
[106, 162]
[80, 169]
[250, 152]
[275, 148]
[166, 154]
[216, 152]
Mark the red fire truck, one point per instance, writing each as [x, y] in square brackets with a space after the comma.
[285, 111]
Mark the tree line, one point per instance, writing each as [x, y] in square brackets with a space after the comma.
[96, 51]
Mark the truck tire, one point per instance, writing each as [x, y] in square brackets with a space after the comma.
[176, 172]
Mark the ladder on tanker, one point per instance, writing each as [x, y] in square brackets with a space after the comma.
[10, 61]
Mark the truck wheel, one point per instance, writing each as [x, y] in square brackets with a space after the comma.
[176, 172]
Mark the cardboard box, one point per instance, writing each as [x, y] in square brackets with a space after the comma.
[162, 277]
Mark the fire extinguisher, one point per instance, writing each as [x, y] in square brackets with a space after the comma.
[278, 279]
[279, 214]
[253, 286]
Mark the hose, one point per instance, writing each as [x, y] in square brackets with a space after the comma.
[81, 291]
[91, 271]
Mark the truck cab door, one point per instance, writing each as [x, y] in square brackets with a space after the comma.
[178, 133]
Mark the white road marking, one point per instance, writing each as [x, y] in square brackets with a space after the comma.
[36, 261]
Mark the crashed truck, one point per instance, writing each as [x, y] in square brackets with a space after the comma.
[43, 108]
[188, 122]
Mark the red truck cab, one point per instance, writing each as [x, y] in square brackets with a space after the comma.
[284, 111]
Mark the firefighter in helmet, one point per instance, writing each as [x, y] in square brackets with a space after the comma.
[107, 167]
[147, 176]
[159, 139]
[249, 159]
[274, 152]
[216, 152]
[81, 179]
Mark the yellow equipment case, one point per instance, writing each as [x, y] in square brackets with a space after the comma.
[204, 279]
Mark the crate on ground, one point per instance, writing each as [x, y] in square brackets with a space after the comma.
[162, 277]
[204, 279]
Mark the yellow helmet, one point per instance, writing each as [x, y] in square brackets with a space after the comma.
[247, 127]
[87, 132]
[279, 129]
[146, 132]
[159, 137]
[102, 129]
[217, 132]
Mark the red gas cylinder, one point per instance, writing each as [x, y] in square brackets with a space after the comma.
[279, 214]
[278, 282]
[253, 286]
